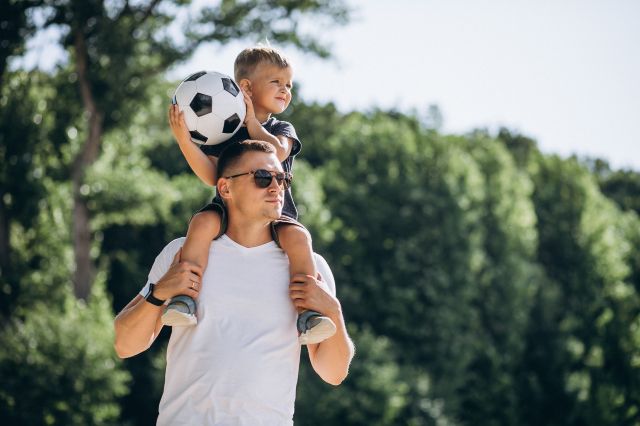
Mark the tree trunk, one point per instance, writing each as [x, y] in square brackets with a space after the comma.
[84, 272]
[4, 239]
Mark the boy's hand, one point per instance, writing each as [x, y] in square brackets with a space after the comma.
[178, 125]
[251, 114]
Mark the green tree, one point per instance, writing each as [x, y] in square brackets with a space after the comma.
[57, 373]
[623, 187]
[506, 282]
[582, 330]
[408, 242]
[24, 148]
[373, 394]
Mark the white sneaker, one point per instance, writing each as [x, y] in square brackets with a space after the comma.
[320, 328]
[180, 312]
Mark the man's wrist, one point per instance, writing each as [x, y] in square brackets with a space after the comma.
[336, 313]
[153, 298]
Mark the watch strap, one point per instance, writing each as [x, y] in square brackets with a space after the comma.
[151, 298]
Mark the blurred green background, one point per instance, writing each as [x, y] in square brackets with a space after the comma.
[483, 281]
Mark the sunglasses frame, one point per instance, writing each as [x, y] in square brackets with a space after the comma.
[285, 178]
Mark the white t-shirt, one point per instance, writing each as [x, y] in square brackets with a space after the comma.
[239, 364]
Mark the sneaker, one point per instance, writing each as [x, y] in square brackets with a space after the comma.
[317, 329]
[180, 312]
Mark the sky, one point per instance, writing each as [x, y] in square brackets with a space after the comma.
[566, 73]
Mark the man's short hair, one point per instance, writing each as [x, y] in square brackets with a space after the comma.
[232, 154]
[247, 60]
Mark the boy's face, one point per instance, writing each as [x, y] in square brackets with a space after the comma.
[270, 89]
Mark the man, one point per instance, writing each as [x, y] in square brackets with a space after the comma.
[239, 366]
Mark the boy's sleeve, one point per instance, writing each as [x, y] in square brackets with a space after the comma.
[284, 128]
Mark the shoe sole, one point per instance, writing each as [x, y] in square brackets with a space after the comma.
[175, 318]
[321, 331]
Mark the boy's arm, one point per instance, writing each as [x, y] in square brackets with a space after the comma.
[282, 144]
[204, 166]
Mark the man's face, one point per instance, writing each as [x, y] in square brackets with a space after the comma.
[248, 199]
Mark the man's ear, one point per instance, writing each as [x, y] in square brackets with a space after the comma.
[245, 84]
[223, 188]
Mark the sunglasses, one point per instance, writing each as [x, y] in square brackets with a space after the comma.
[263, 178]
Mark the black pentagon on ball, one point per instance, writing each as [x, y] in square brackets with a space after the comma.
[195, 76]
[201, 104]
[230, 86]
[198, 136]
[231, 123]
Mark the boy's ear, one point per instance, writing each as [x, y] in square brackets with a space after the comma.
[245, 84]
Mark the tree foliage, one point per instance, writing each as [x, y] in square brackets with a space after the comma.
[484, 282]
[55, 372]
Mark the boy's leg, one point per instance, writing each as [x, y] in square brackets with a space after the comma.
[295, 241]
[204, 227]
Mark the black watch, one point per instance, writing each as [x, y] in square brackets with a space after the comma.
[151, 298]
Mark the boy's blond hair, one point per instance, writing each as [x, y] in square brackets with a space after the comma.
[247, 60]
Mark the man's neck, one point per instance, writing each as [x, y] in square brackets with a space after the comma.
[249, 233]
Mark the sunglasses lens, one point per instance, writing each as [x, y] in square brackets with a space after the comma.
[262, 178]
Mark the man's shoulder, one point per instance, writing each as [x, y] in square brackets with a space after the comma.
[325, 272]
[175, 244]
[172, 248]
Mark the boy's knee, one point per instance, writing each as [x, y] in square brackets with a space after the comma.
[208, 222]
[293, 236]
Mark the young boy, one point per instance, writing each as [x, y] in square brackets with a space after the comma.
[265, 77]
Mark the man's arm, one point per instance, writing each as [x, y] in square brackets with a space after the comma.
[137, 327]
[138, 324]
[329, 358]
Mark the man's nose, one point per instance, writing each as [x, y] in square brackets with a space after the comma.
[274, 186]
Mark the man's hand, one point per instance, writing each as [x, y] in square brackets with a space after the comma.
[307, 293]
[182, 278]
[178, 125]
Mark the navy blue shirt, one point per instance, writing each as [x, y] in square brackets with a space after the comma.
[276, 128]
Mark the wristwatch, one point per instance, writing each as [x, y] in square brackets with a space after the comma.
[151, 298]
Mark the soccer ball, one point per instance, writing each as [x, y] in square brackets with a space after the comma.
[213, 106]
